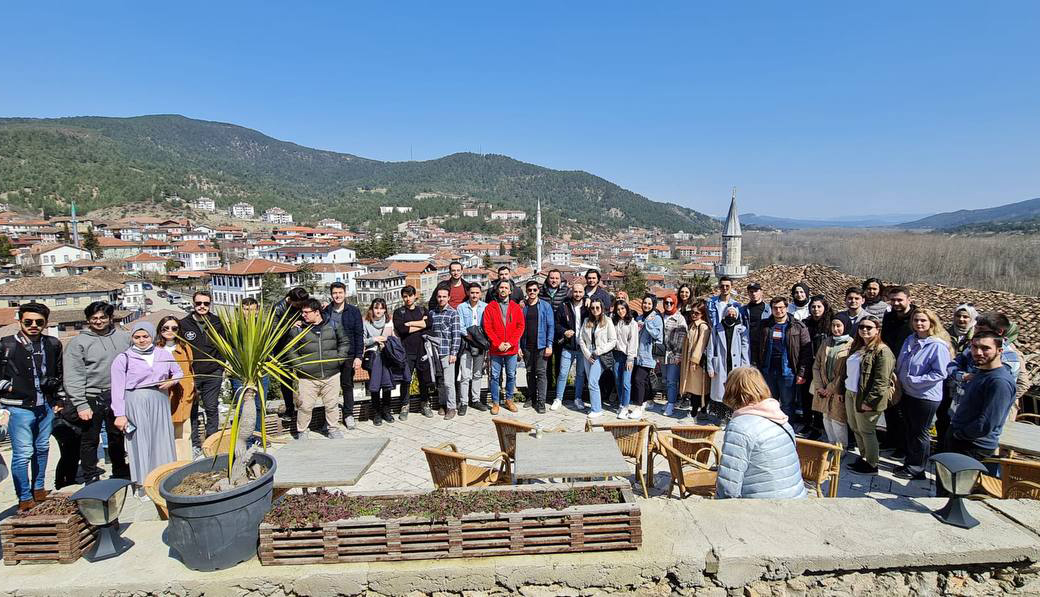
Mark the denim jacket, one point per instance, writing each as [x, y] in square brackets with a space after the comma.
[653, 331]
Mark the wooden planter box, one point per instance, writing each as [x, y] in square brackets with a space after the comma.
[598, 527]
[45, 539]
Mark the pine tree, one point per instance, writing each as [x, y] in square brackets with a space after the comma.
[635, 281]
[90, 243]
[5, 249]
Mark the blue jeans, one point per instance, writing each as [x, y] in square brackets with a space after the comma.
[496, 376]
[592, 373]
[781, 387]
[566, 358]
[266, 383]
[671, 382]
[622, 378]
[30, 430]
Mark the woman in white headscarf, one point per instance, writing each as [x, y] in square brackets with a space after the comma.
[141, 379]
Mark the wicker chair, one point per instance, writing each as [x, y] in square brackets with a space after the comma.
[706, 432]
[448, 468]
[689, 461]
[820, 461]
[1019, 479]
[632, 438]
[155, 478]
[220, 442]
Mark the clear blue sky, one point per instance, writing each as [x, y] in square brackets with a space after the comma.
[809, 109]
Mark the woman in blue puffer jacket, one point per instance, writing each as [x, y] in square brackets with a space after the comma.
[759, 459]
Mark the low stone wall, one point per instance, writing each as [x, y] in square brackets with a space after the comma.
[844, 546]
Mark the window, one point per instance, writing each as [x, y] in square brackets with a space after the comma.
[61, 302]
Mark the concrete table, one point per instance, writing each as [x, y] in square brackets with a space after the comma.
[325, 462]
[1021, 437]
[569, 456]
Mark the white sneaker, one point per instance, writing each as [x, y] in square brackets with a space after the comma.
[622, 413]
[578, 404]
[595, 414]
[636, 413]
[555, 405]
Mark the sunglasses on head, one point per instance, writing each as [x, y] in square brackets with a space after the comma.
[201, 303]
[34, 323]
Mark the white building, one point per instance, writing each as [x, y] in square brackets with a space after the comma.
[146, 263]
[509, 214]
[319, 254]
[560, 256]
[133, 294]
[410, 257]
[242, 211]
[204, 204]
[233, 283]
[46, 257]
[277, 215]
[385, 284]
[332, 223]
[470, 212]
[731, 241]
[327, 273]
[389, 209]
[197, 257]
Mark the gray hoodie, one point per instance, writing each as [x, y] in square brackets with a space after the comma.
[88, 363]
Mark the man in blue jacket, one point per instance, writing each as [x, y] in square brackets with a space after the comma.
[348, 318]
[537, 343]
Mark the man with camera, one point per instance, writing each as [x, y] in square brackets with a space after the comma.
[30, 383]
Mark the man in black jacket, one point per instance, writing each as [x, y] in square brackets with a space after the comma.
[208, 374]
[290, 307]
[784, 354]
[555, 292]
[895, 329]
[30, 383]
[594, 290]
[348, 318]
[515, 294]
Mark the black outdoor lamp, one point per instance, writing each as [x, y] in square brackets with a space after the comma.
[100, 503]
[957, 474]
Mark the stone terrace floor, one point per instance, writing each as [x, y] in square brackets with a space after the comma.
[402, 465]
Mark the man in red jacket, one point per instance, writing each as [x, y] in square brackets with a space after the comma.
[504, 326]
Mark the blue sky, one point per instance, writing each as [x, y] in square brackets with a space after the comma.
[810, 109]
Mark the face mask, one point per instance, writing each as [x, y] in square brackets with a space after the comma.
[729, 320]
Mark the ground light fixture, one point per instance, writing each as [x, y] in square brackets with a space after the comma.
[957, 475]
[100, 503]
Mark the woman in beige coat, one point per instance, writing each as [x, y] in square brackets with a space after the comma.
[693, 375]
[826, 389]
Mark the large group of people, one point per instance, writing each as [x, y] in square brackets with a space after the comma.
[772, 369]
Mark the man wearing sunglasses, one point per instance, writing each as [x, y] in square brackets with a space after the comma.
[208, 373]
[30, 384]
[539, 330]
[88, 382]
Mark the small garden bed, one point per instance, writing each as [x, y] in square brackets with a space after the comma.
[52, 532]
[326, 527]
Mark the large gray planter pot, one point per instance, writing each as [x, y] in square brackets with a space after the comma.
[215, 532]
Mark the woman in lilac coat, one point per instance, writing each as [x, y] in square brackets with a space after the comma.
[141, 379]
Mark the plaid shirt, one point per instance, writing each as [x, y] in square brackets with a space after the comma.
[445, 327]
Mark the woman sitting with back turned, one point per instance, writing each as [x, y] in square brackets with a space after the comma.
[759, 459]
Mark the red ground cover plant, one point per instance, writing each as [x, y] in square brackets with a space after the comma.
[314, 509]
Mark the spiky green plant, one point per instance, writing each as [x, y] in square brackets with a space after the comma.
[253, 345]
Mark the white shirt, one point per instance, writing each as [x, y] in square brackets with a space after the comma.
[852, 365]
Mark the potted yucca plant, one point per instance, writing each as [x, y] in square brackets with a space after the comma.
[219, 528]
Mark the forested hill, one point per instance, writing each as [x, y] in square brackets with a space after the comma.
[1010, 214]
[102, 162]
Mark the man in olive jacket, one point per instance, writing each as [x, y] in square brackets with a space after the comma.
[784, 354]
[318, 358]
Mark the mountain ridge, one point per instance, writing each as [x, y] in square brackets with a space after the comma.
[1009, 212]
[106, 161]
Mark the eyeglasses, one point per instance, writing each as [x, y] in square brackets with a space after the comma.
[99, 318]
[201, 303]
[34, 323]
[170, 328]
[530, 290]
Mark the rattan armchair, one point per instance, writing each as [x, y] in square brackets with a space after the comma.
[820, 461]
[1019, 479]
[706, 432]
[632, 438]
[448, 468]
[507, 430]
[692, 463]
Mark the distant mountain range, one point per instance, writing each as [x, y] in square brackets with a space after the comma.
[879, 221]
[102, 162]
[1012, 214]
